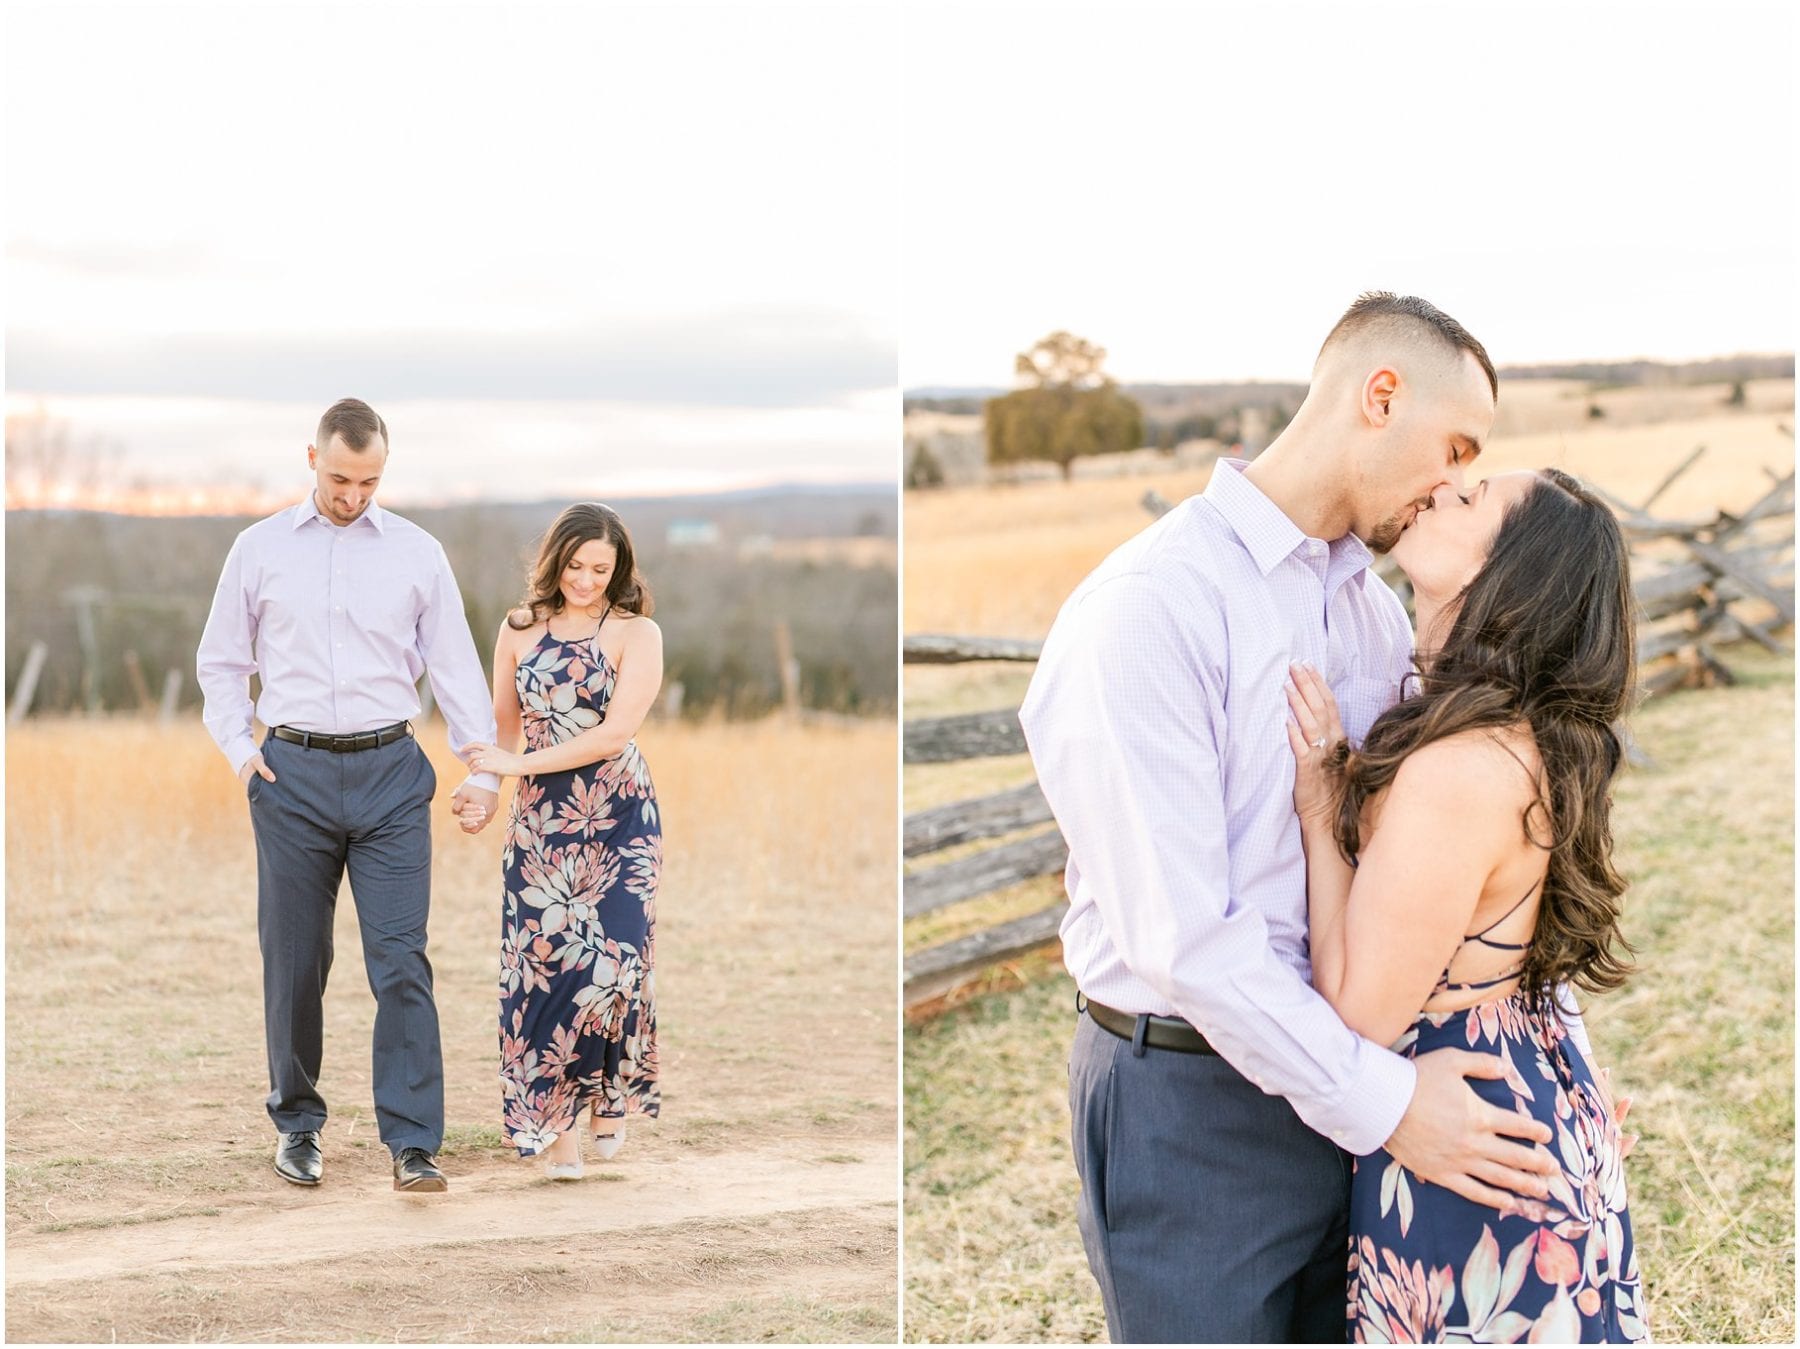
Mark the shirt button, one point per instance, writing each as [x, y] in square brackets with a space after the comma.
[1338, 1134]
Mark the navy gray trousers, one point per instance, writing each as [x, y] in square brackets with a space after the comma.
[1210, 1213]
[368, 812]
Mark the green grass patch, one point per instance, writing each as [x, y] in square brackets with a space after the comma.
[1701, 1039]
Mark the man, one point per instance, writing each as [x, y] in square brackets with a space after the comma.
[339, 607]
[1215, 1096]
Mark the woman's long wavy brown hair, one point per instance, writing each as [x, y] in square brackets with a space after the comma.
[579, 524]
[1545, 635]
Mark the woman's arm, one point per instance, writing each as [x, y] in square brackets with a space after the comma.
[1328, 875]
[1389, 926]
[640, 676]
[508, 721]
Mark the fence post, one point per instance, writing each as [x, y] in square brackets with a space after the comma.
[134, 671]
[171, 697]
[83, 599]
[789, 666]
[26, 688]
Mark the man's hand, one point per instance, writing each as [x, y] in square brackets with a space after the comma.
[254, 764]
[1453, 1138]
[474, 807]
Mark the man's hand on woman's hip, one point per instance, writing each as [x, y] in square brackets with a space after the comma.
[1451, 1137]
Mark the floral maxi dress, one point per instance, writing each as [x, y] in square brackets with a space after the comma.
[1428, 1265]
[582, 860]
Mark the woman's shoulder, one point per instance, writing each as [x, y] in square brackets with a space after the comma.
[636, 627]
[1490, 764]
[522, 626]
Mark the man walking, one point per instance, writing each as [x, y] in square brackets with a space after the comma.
[1215, 1096]
[339, 606]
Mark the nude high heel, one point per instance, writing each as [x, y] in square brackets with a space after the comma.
[608, 1145]
[562, 1170]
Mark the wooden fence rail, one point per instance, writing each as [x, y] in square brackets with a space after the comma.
[1735, 583]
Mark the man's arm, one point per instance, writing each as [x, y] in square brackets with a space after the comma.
[448, 650]
[1124, 723]
[226, 660]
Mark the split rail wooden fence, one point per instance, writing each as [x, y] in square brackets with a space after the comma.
[1700, 584]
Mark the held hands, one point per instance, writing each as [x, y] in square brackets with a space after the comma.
[474, 807]
[493, 759]
[254, 764]
[1313, 728]
[1451, 1137]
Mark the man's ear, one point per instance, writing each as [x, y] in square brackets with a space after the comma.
[312, 457]
[1378, 394]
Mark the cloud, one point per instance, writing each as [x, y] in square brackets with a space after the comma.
[765, 357]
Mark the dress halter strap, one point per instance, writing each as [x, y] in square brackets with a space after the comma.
[1445, 986]
[1482, 936]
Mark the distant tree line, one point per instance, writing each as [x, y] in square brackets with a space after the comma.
[148, 583]
[1625, 374]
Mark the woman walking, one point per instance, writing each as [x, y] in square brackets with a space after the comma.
[576, 668]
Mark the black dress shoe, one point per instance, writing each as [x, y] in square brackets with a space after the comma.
[298, 1159]
[415, 1171]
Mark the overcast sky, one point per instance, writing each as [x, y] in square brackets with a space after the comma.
[657, 239]
[1202, 189]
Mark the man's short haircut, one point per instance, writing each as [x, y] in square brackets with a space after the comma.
[1381, 309]
[355, 421]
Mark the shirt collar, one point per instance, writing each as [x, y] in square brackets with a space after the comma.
[308, 509]
[1267, 534]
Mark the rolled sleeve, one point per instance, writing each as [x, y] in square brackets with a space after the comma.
[1122, 722]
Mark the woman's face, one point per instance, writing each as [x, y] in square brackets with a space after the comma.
[588, 573]
[1444, 547]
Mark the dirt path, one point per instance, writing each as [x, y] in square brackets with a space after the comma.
[496, 1203]
[140, 1201]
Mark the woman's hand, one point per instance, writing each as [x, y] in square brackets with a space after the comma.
[1617, 1109]
[1313, 728]
[493, 759]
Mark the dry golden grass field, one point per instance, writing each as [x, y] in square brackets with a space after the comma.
[1000, 560]
[1702, 1038]
[140, 1201]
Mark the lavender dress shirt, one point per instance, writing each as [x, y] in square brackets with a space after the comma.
[340, 621]
[1156, 723]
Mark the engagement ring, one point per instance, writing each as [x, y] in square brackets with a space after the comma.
[1319, 743]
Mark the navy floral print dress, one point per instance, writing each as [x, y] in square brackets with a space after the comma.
[582, 860]
[1428, 1265]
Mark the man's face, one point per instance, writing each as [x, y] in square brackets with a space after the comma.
[347, 477]
[1436, 428]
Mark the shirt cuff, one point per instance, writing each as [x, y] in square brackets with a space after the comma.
[1378, 1098]
[241, 752]
[488, 782]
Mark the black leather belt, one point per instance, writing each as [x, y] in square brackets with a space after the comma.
[1157, 1032]
[344, 744]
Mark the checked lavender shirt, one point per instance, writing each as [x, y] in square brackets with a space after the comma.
[340, 622]
[1156, 723]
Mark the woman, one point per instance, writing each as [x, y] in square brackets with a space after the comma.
[1459, 873]
[576, 668]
